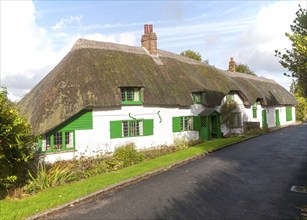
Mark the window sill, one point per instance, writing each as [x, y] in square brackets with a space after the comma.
[132, 103]
[236, 127]
[58, 151]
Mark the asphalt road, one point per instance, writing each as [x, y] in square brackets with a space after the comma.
[249, 180]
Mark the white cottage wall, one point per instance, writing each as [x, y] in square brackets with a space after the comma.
[98, 140]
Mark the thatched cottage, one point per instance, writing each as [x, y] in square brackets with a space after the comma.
[103, 95]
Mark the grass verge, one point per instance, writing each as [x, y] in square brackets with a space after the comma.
[53, 197]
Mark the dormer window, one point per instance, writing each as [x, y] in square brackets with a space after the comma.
[198, 98]
[230, 97]
[131, 96]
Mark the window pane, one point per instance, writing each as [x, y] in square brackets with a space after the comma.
[236, 119]
[139, 128]
[230, 97]
[69, 137]
[189, 123]
[132, 128]
[181, 123]
[123, 94]
[136, 95]
[196, 98]
[186, 123]
[48, 143]
[44, 144]
[129, 95]
[58, 140]
[125, 128]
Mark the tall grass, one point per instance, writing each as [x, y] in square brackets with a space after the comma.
[48, 177]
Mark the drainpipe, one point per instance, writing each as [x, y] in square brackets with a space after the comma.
[159, 116]
[132, 117]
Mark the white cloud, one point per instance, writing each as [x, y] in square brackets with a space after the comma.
[122, 38]
[127, 38]
[29, 52]
[66, 21]
[100, 37]
[266, 35]
[25, 47]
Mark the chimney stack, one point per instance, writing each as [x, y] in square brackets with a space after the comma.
[149, 39]
[232, 65]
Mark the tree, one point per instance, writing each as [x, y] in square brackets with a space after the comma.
[16, 143]
[192, 54]
[227, 110]
[242, 68]
[301, 108]
[295, 59]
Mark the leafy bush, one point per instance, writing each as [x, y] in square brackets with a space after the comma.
[181, 144]
[49, 175]
[227, 110]
[255, 132]
[16, 144]
[128, 155]
[301, 108]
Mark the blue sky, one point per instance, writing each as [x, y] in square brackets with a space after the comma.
[36, 35]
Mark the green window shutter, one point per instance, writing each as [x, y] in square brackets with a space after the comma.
[40, 143]
[176, 124]
[196, 123]
[52, 141]
[254, 110]
[148, 125]
[202, 99]
[193, 99]
[115, 129]
[288, 113]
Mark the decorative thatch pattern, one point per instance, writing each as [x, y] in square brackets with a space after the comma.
[92, 72]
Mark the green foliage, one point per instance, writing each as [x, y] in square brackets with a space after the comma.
[30, 205]
[295, 59]
[181, 144]
[128, 155]
[192, 54]
[49, 177]
[16, 144]
[255, 132]
[227, 110]
[243, 68]
[301, 107]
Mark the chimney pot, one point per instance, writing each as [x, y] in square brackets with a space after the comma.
[149, 39]
[145, 28]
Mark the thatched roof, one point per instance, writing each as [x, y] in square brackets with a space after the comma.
[91, 74]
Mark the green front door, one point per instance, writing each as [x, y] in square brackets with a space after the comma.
[204, 128]
[277, 121]
[264, 120]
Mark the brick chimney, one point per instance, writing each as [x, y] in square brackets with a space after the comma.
[232, 65]
[149, 39]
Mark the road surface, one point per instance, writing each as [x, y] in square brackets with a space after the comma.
[249, 180]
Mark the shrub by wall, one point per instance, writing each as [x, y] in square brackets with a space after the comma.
[16, 144]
